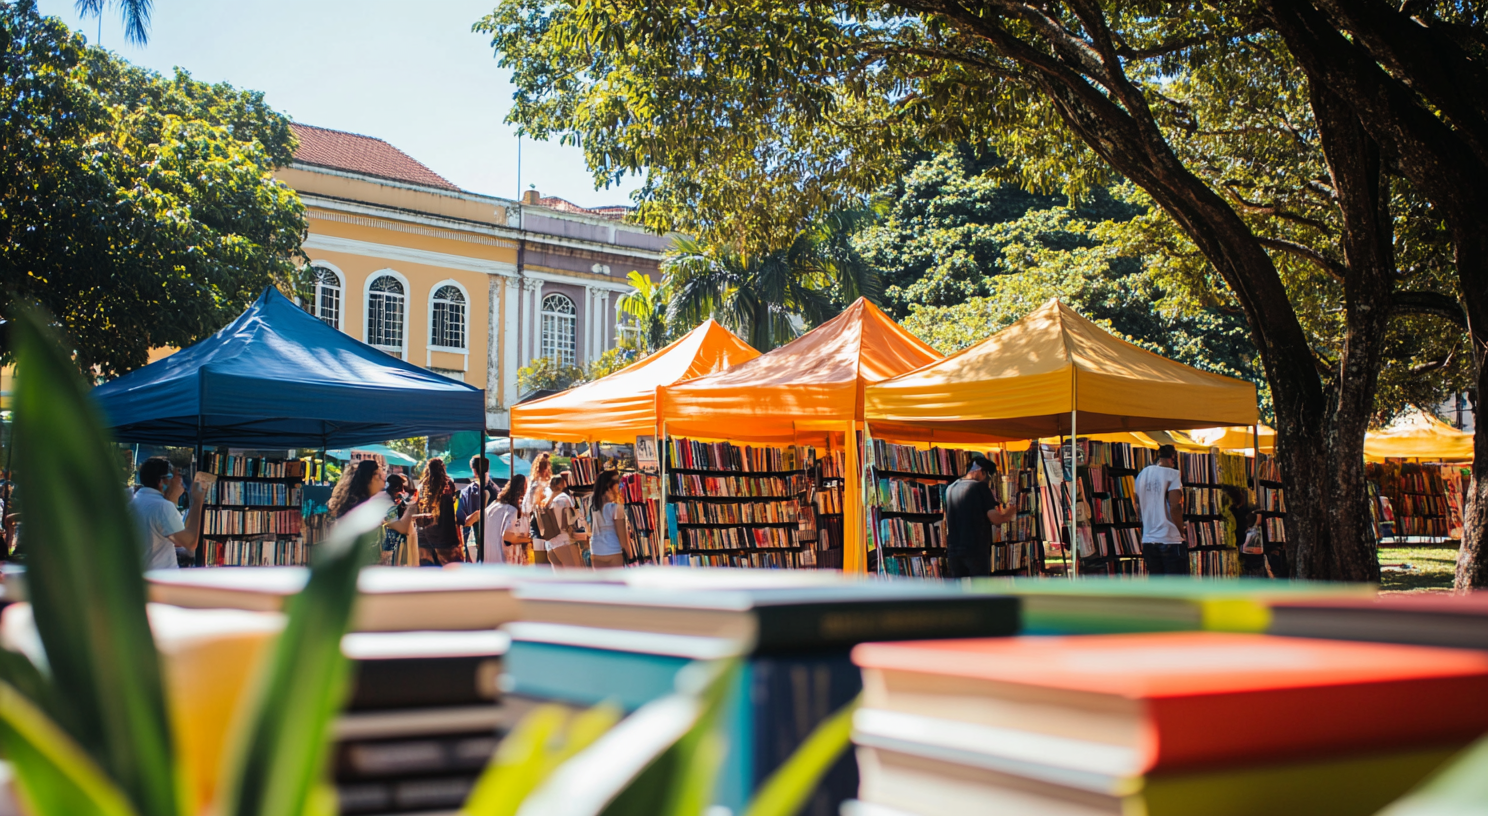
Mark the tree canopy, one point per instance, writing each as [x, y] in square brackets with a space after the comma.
[139, 209]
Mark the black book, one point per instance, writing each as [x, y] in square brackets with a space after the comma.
[779, 619]
[396, 670]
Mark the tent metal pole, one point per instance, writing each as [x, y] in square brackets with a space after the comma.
[1074, 494]
[480, 521]
[201, 550]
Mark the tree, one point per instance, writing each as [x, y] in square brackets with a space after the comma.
[136, 15]
[749, 114]
[156, 192]
[767, 296]
[647, 305]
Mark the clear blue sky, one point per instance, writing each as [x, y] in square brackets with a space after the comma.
[410, 73]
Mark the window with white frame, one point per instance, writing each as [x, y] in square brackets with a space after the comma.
[385, 301]
[325, 302]
[559, 323]
[447, 320]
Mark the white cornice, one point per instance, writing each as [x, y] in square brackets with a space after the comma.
[550, 277]
[508, 233]
[403, 185]
[331, 243]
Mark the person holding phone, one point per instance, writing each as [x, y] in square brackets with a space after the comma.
[158, 519]
[507, 532]
[399, 521]
[611, 538]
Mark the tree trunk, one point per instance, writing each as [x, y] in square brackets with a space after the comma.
[1472, 558]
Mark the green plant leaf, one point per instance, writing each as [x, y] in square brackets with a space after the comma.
[84, 575]
[701, 750]
[790, 786]
[53, 774]
[282, 756]
[518, 765]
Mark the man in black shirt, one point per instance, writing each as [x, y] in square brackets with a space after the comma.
[970, 511]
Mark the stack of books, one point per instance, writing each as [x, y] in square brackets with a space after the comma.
[1433, 619]
[792, 632]
[1188, 724]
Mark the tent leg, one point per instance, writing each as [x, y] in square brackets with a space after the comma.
[201, 550]
[480, 521]
[1074, 495]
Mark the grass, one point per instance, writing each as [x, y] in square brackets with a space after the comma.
[1432, 567]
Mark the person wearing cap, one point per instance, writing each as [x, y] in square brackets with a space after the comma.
[970, 511]
[1159, 498]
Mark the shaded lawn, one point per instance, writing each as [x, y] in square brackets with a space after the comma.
[1433, 567]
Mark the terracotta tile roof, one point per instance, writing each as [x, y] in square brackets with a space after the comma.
[616, 213]
[354, 153]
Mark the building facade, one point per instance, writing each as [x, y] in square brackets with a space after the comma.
[470, 286]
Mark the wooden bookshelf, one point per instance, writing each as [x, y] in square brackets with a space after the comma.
[760, 495]
[253, 514]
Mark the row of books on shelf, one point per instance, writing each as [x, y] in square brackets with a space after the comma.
[1273, 499]
[1121, 455]
[1430, 526]
[1409, 504]
[1100, 479]
[1424, 481]
[691, 454]
[830, 466]
[1107, 542]
[257, 552]
[904, 496]
[828, 500]
[223, 464]
[1111, 511]
[694, 486]
[734, 538]
[1198, 468]
[1274, 529]
[909, 459]
[1206, 533]
[898, 532]
[688, 512]
[1214, 563]
[1270, 470]
[583, 470]
[1202, 501]
[253, 493]
[757, 560]
[637, 487]
[915, 565]
[251, 522]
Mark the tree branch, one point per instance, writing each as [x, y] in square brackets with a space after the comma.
[1335, 269]
[1431, 303]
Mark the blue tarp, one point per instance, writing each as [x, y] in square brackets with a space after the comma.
[278, 377]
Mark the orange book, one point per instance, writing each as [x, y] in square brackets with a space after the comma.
[1188, 699]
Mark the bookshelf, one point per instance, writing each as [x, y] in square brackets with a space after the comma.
[822, 512]
[1271, 504]
[1107, 521]
[643, 516]
[909, 488]
[733, 506]
[1417, 496]
[1209, 533]
[253, 515]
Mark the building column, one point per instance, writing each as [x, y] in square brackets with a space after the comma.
[615, 335]
[532, 309]
[511, 334]
[590, 295]
[602, 321]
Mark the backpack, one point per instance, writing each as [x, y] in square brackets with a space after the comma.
[548, 527]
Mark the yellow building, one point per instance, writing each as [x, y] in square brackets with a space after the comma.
[471, 286]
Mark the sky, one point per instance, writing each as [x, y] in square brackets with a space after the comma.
[412, 74]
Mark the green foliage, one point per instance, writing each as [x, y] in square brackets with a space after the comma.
[547, 373]
[87, 731]
[136, 15]
[767, 297]
[608, 363]
[156, 190]
[647, 308]
[542, 741]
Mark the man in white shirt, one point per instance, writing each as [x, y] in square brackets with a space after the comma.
[159, 523]
[1160, 500]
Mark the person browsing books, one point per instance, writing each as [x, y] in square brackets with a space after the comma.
[399, 521]
[607, 548]
[360, 483]
[476, 497]
[557, 513]
[970, 511]
[507, 533]
[537, 487]
[156, 517]
[1159, 497]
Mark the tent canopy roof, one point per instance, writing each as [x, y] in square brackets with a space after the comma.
[621, 406]
[1418, 435]
[1234, 438]
[279, 377]
[1025, 380]
[811, 384]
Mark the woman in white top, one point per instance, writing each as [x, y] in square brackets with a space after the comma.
[563, 551]
[542, 473]
[506, 525]
[611, 538]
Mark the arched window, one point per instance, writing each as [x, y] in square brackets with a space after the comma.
[559, 318]
[325, 303]
[447, 318]
[385, 300]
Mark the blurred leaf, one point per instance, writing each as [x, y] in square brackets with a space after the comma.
[53, 774]
[283, 752]
[516, 768]
[701, 750]
[84, 575]
[1458, 788]
[791, 785]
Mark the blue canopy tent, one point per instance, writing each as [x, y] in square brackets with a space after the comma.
[278, 377]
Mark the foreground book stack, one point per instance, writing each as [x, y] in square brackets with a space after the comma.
[1187, 724]
[791, 633]
[1433, 619]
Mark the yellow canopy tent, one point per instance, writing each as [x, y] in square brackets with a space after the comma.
[622, 406]
[1235, 439]
[1055, 372]
[1419, 435]
[809, 387]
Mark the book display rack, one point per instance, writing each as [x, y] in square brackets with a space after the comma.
[1209, 532]
[1272, 504]
[822, 514]
[1106, 521]
[1018, 546]
[1418, 496]
[732, 506]
[252, 514]
[643, 517]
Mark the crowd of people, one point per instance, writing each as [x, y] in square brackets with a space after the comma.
[533, 520]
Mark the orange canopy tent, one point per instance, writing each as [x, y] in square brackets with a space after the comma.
[810, 387]
[622, 406]
[1235, 439]
[1419, 435]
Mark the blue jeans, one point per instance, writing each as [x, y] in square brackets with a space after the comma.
[1165, 559]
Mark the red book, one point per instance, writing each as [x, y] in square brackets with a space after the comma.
[1189, 699]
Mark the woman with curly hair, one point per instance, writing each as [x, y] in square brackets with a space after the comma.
[537, 495]
[438, 535]
[361, 483]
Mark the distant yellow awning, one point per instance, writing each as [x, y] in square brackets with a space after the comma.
[1233, 438]
[1024, 382]
[1418, 435]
